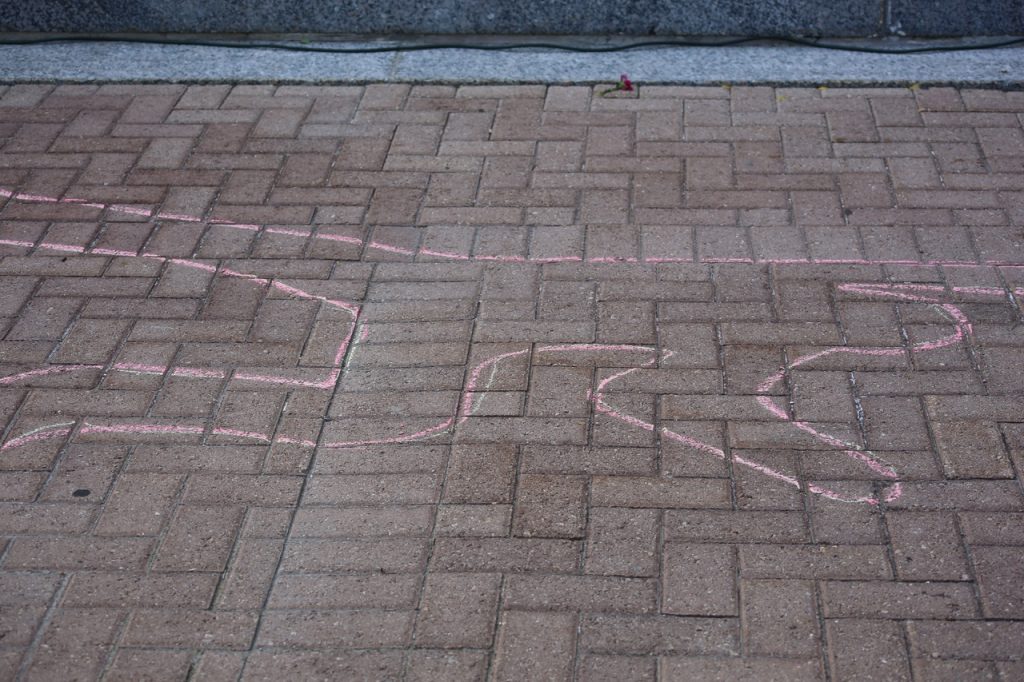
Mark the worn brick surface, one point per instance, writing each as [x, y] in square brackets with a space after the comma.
[486, 383]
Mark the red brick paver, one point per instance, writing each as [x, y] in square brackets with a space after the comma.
[505, 383]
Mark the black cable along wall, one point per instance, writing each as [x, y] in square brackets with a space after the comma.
[579, 46]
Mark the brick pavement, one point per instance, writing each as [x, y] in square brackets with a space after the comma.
[506, 383]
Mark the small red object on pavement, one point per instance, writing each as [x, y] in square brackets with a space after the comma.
[624, 85]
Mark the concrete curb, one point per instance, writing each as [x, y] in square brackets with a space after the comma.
[764, 64]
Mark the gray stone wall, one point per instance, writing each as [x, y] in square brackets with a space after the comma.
[852, 18]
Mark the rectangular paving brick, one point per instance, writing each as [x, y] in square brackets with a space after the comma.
[734, 526]
[363, 521]
[124, 403]
[814, 561]
[633, 491]
[458, 610]
[473, 520]
[847, 640]
[371, 459]
[533, 645]
[373, 489]
[335, 629]
[220, 488]
[926, 546]
[250, 573]
[972, 495]
[126, 590]
[698, 580]
[131, 662]
[199, 538]
[533, 430]
[480, 474]
[602, 667]
[868, 599]
[379, 554]
[183, 459]
[999, 581]
[572, 459]
[139, 504]
[78, 552]
[554, 332]
[550, 506]
[745, 669]
[191, 629]
[46, 518]
[312, 591]
[267, 666]
[659, 634]
[622, 542]
[779, 617]
[435, 664]
[998, 640]
[971, 450]
[581, 593]
[505, 555]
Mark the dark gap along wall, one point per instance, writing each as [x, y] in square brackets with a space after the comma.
[850, 18]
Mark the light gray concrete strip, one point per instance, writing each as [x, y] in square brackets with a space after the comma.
[128, 62]
[789, 65]
[708, 65]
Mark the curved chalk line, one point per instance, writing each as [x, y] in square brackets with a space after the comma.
[469, 402]
[375, 245]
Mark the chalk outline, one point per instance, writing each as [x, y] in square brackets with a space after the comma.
[358, 332]
[421, 251]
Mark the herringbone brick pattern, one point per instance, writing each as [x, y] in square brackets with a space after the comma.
[511, 383]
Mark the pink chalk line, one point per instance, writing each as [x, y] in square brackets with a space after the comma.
[65, 428]
[423, 251]
[598, 398]
[601, 406]
[38, 434]
[327, 382]
[918, 293]
[466, 406]
[854, 451]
